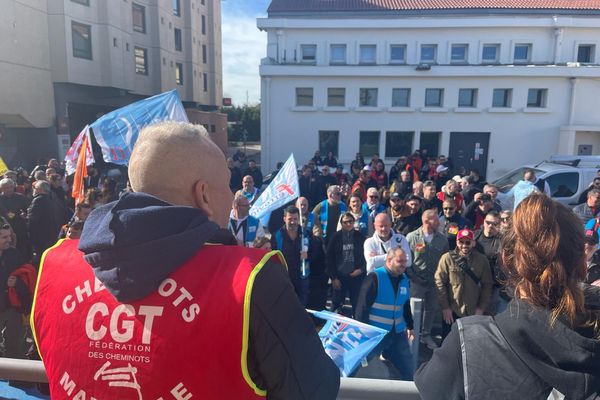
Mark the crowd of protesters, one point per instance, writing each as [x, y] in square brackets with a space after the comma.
[422, 229]
[36, 210]
[441, 226]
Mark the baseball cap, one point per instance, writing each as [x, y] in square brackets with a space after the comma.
[591, 237]
[367, 168]
[465, 234]
[457, 178]
[395, 195]
[441, 168]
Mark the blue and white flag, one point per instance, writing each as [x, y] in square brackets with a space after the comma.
[346, 340]
[282, 189]
[117, 131]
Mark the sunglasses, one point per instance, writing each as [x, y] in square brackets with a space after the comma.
[373, 197]
[347, 222]
[491, 223]
[449, 208]
[505, 219]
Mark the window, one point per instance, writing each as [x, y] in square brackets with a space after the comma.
[368, 97]
[141, 60]
[431, 142]
[204, 24]
[434, 97]
[82, 2]
[179, 73]
[586, 53]
[459, 53]
[368, 54]
[205, 82]
[308, 53]
[368, 143]
[304, 97]
[178, 44]
[82, 40]
[467, 97]
[336, 97]
[328, 141]
[337, 54]
[401, 97]
[398, 144]
[537, 98]
[502, 98]
[204, 55]
[564, 184]
[176, 8]
[490, 53]
[428, 53]
[398, 53]
[138, 14]
[522, 53]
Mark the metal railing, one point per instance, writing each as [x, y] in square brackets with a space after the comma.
[350, 388]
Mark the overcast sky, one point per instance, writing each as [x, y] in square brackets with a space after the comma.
[243, 47]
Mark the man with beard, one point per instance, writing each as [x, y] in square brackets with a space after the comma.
[430, 200]
[488, 243]
[464, 282]
[373, 206]
[451, 222]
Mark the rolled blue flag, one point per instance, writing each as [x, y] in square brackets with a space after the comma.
[347, 341]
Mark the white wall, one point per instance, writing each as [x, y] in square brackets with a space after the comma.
[519, 136]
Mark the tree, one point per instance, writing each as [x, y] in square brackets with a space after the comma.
[243, 118]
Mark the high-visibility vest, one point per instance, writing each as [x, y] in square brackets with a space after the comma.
[324, 215]
[388, 309]
[251, 229]
[186, 340]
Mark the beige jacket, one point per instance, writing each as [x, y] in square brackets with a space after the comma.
[457, 290]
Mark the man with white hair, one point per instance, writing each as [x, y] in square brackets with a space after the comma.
[373, 206]
[242, 225]
[183, 303]
[383, 240]
[327, 213]
[248, 190]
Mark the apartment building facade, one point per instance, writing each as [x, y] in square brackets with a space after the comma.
[69, 61]
[492, 88]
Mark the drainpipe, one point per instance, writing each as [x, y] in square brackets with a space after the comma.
[558, 36]
[572, 105]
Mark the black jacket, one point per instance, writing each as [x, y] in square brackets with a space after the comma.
[335, 253]
[551, 357]
[137, 241]
[42, 222]
[10, 260]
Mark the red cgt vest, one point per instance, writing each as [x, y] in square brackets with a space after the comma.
[187, 340]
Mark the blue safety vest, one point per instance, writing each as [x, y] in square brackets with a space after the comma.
[388, 309]
[251, 229]
[325, 214]
[362, 224]
[310, 223]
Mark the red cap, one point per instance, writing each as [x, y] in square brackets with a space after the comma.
[464, 234]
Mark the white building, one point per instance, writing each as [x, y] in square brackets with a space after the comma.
[491, 88]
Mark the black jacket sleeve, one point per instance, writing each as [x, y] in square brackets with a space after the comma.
[366, 298]
[359, 253]
[332, 253]
[285, 355]
[442, 376]
[408, 318]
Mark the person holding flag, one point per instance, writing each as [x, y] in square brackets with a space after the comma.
[384, 302]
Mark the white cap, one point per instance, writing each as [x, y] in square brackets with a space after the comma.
[441, 168]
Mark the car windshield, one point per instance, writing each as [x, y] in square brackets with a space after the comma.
[506, 182]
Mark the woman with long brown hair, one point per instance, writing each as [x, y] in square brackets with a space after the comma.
[547, 339]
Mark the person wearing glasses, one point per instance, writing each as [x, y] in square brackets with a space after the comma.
[346, 265]
[478, 209]
[373, 206]
[488, 242]
[464, 281]
[505, 221]
[451, 222]
[327, 213]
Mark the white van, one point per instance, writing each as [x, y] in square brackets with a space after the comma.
[568, 177]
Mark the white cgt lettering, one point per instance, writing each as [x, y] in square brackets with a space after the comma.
[92, 333]
[127, 325]
[121, 328]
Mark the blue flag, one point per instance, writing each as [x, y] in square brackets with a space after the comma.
[346, 340]
[282, 189]
[117, 131]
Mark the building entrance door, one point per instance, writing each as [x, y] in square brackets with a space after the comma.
[469, 150]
